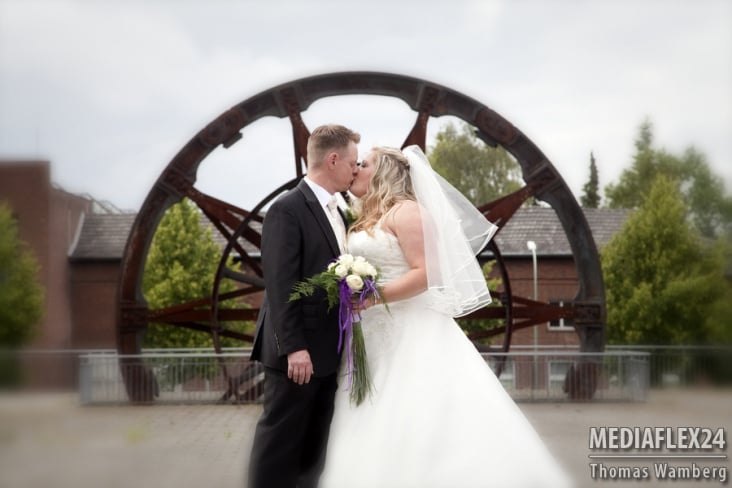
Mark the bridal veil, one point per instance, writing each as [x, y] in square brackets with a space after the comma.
[454, 233]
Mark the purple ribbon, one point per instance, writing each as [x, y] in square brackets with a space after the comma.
[369, 288]
[345, 316]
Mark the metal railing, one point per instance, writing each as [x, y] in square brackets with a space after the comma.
[670, 366]
[528, 373]
[686, 365]
[550, 375]
[195, 377]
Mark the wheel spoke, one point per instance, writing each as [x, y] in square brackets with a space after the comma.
[205, 328]
[224, 216]
[183, 316]
[501, 210]
[300, 133]
[426, 103]
[243, 278]
[418, 134]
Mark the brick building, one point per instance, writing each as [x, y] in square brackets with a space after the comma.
[48, 221]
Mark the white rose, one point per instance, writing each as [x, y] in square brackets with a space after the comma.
[354, 282]
[370, 270]
[340, 271]
[346, 260]
[360, 267]
[332, 265]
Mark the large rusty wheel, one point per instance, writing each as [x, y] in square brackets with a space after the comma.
[241, 227]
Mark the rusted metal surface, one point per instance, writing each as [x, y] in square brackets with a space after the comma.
[239, 226]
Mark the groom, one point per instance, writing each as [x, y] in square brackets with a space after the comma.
[297, 342]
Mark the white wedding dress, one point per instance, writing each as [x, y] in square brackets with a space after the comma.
[438, 416]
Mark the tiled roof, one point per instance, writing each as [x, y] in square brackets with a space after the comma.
[103, 236]
[541, 225]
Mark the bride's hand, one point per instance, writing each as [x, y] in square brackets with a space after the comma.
[368, 303]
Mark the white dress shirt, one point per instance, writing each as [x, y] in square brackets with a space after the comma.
[336, 221]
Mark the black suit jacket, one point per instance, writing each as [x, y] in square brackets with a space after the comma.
[297, 242]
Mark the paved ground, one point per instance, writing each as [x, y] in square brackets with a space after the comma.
[48, 440]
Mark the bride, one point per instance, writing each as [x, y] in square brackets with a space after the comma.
[437, 416]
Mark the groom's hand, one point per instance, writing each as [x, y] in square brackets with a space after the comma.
[299, 366]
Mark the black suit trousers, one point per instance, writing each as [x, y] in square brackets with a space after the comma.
[292, 433]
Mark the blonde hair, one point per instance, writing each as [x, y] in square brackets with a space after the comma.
[328, 138]
[390, 184]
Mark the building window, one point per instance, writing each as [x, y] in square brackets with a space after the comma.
[560, 325]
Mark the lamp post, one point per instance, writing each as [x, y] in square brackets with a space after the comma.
[531, 245]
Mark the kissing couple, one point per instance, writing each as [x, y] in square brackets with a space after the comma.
[437, 415]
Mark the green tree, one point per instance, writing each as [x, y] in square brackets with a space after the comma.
[661, 277]
[718, 323]
[181, 266]
[703, 193]
[591, 190]
[478, 171]
[21, 295]
[472, 326]
[21, 298]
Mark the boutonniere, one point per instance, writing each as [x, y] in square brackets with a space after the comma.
[350, 216]
[350, 209]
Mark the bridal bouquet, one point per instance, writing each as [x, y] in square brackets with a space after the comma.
[348, 281]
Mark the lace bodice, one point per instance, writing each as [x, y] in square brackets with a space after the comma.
[381, 250]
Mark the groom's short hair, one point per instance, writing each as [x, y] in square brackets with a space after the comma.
[327, 138]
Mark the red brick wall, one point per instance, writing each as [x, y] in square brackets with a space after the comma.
[94, 304]
[47, 221]
[557, 280]
[24, 185]
[66, 213]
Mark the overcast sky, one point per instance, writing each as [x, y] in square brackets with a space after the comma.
[109, 91]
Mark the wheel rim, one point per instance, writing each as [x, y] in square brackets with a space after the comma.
[239, 226]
